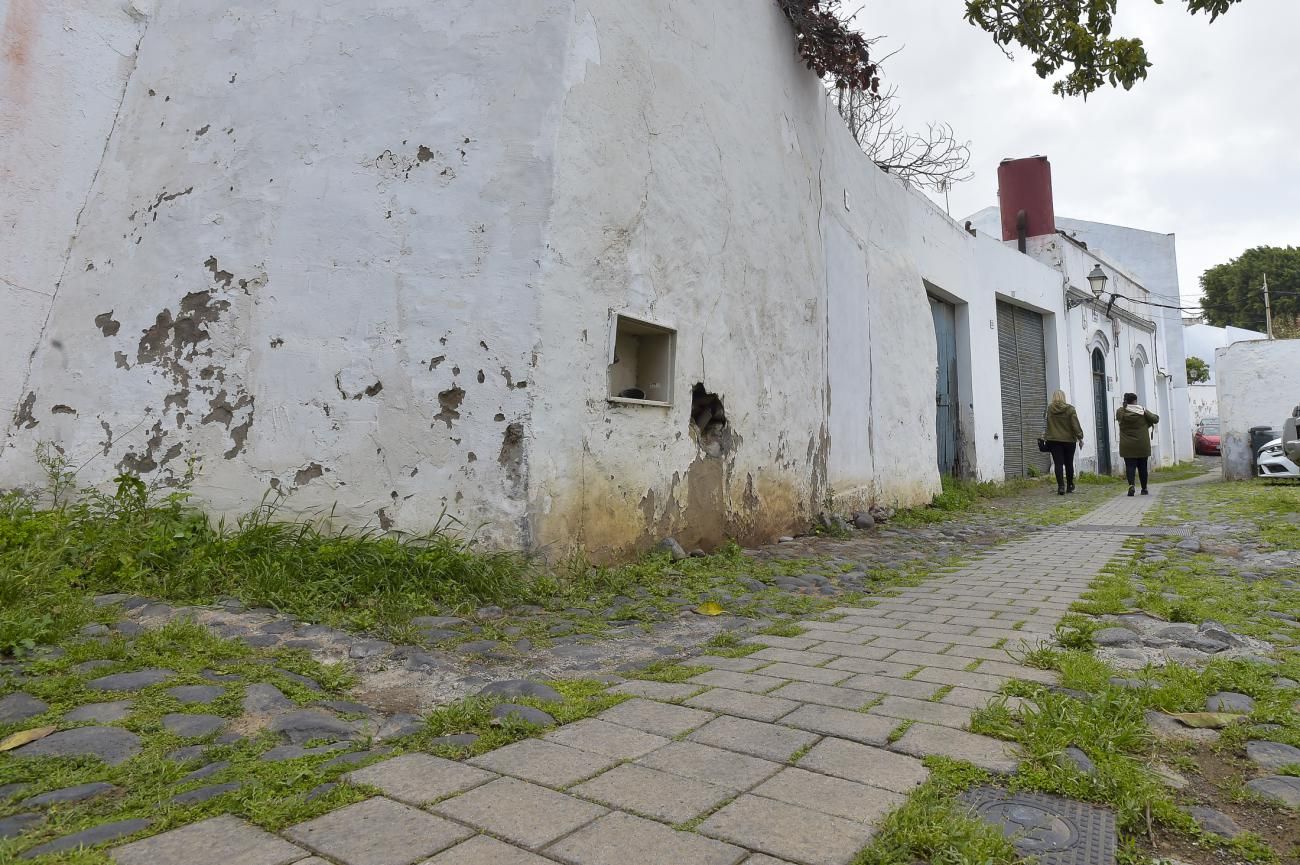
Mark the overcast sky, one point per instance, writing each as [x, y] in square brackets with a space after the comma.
[1208, 147]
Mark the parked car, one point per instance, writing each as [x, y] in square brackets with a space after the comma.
[1206, 440]
[1280, 458]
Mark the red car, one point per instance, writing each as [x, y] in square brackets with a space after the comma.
[1206, 440]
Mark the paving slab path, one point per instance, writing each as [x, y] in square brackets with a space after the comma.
[793, 754]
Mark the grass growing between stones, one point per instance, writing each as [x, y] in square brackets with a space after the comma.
[58, 550]
[1111, 723]
[932, 826]
[273, 794]
[1269, 511]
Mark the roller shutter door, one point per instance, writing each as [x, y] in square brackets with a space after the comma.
[1023, 369]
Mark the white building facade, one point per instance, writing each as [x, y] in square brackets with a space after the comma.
[1130, 340]
[1204, 341]
[545, 267]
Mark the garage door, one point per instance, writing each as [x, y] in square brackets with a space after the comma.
[1023, 368]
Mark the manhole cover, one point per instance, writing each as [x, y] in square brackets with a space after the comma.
[1055, 830]
[1175, 531]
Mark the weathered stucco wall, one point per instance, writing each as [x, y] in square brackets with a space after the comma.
[370, 255]
[1259, 385]
[308, 259]
[63, 69]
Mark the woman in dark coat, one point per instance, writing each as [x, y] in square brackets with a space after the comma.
[1062, 435]
[1135, 423]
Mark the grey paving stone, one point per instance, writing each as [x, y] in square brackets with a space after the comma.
[482, 850]
[871, 667]
[1015, 671]
[520, 812]
[192, 726]
[716, 662]
[795, 643]
[826, 695]
[923, 710]
[113, 745]
[377, 831]
[1272, 755]
[1278, 788]
[788, 831]
[891, 686]
[16, 824]
[656, 690]
[194, 694]
[960, 678]
[263, 699]
[930, 659]
[802, 673]
[133, 681]
[834, 796]
[834, 638]
[651, 793]
[1228, 701]
[753, 737]
[870, 651]
[516, 688]
[101, 713]
[764, 859]
[725, 768]
[79, 793]
[418, 779]
[790, 656]
[307, 724]
[743, 704]
[842, 723]
[755, 683]
[19, 707]
[1214, 821]
[207, 771]
[88, 837]
[610, 740]
[526, 714]
[203, 794]
[658, 718]
[874, 767]
[610, 840]
[922, 740]
[546, 763]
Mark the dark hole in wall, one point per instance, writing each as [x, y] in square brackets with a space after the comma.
[709, 421]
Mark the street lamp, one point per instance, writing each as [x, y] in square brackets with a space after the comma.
[1097, 279]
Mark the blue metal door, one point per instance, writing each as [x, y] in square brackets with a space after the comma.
[945, 388]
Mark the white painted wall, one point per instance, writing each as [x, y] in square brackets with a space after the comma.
[63, 69]
[1205, 401]
[1259, 385]
[368, 254]
[1203, 340]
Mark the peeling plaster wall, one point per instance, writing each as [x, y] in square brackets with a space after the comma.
[370, 255]
[704, 183]
[1259, 385]
[309, 260]
[63, 69]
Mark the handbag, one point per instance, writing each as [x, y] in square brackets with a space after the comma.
[1042, 446]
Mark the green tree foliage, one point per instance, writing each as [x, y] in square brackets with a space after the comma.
[1197, 370]
[1234, 291]
[1074, 36]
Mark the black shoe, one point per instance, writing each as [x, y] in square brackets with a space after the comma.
[1145, 492]
[1069, 488]
[1130, 490]
[1060, 489]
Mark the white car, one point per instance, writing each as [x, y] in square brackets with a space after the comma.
[1280, 458]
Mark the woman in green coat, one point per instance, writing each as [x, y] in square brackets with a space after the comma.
[1062, 434]
[1135, 424]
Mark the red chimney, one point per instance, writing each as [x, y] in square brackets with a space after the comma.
[1025, 187]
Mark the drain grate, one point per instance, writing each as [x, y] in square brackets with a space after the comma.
[1056, 831]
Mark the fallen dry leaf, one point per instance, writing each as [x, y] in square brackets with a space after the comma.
[1205, 720]
[710, 608]
[25, 737]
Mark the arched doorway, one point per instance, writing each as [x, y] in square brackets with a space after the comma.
[1101, 411]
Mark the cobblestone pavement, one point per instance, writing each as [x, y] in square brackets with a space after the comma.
[792, 754]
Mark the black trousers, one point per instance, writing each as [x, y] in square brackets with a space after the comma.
[1062, 460]
[1136, 465]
